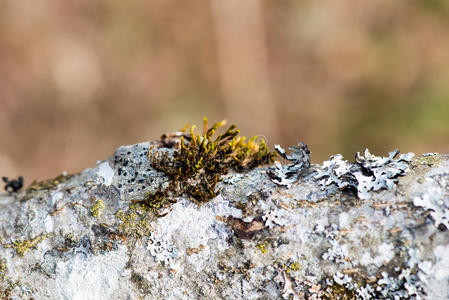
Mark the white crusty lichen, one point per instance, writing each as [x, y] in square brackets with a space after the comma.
[275, 218]
[161, 250]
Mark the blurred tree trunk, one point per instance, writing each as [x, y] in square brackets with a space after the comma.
[243, 61]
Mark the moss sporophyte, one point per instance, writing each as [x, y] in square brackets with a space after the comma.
[198, 161]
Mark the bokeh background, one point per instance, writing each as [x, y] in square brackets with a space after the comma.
[78, 78]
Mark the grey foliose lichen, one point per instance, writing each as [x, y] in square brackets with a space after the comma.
[299, 159]
[368, 173]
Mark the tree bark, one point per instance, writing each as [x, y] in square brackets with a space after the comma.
[84, 236]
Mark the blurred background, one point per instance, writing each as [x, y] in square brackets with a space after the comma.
[80, 78]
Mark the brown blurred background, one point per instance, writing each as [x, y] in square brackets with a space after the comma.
[79, 78]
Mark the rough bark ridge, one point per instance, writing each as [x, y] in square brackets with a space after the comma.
[376, 228]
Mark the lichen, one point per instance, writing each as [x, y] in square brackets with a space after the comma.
[290, 266]
[161, 250]
[141, 283]
[368, 173]
[136, 220]
[48, 184]
[97, 208]
[299, 159]
[21, 246]
[5, 294]
[253, 241]
[3, 269]
[338, 291]
[13, 185]
[434, 200]
[274, 218]
[426, 160]
[287, 285]
[262, 246]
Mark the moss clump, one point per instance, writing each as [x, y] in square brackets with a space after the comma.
[97, 208]
[194, 169]
[196, 166]
[157, 200]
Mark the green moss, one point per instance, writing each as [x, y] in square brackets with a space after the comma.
[194, 169]
[197, 165]
[97, 208]
[22, 246]
[157, 200]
